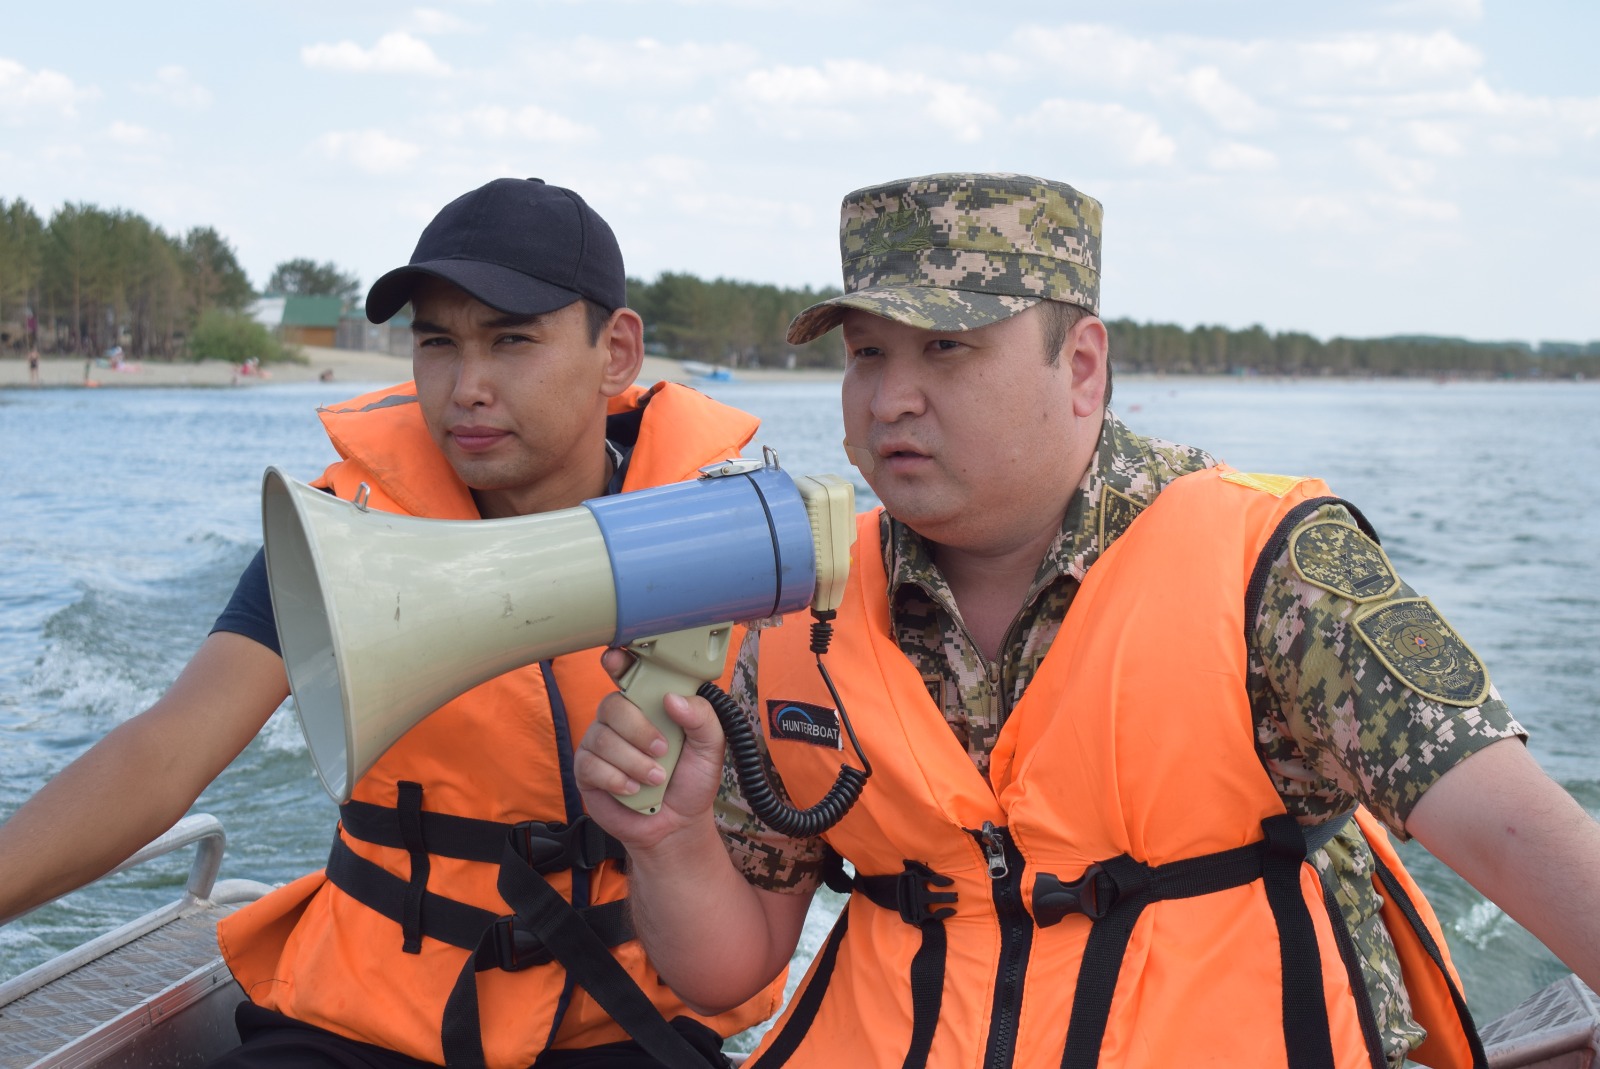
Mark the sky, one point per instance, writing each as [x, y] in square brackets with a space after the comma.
[1363, 168]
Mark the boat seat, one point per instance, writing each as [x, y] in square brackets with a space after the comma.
[152, 994]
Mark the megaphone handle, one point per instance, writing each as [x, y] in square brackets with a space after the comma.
[674, 663]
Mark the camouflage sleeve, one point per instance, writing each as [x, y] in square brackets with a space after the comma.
[1361, 689]
[766, 859]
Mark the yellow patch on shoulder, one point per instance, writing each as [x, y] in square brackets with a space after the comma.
[1413, 641]
[1276, 485]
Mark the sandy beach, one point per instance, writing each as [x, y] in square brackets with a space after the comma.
[343, 365]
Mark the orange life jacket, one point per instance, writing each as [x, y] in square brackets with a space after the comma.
[1125, 786]
[397, 940]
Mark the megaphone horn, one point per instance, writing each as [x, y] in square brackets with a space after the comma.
[383, 618]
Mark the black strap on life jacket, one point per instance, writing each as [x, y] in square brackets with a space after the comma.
[910, 893]
[1397, 894]
[408, 810]
[544, 926]
[551, 845]
[497, 942]
[546, 917]
[1113, 893]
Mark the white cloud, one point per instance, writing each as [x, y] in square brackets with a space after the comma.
[1229, 106]
[131, 135]
[642, 61]
[38, 95]
[433, 21]
[959, 110]
[674, 170]
[1436, 138]
[1382, 60]
[530, 122]
[1099, 56]
[1313, 212]
[174, 85]
[395, 53]
[1463, 10]
[690, 119]
[372, 151]
[1419, 209]
[1237, 156]
[1135, 138]
[1400, 173]
[850, 95]
[734, 212]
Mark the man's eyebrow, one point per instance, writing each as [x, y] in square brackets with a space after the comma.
[500, 322]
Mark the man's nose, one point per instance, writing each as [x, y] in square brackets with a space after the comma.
[474, 378]
[898, 391]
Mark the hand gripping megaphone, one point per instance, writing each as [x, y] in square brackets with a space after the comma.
[383, 618]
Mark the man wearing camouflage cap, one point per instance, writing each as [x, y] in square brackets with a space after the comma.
[1137, 721]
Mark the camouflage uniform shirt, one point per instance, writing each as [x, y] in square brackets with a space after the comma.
[1335, 725]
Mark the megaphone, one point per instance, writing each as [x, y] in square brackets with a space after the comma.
[383, 618]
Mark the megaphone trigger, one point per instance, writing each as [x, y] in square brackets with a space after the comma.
[675, 663]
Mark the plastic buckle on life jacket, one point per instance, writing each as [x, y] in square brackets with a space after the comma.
[512, 948]
[1093, 894]
[913, 896]
[541, 844]
[548, 846]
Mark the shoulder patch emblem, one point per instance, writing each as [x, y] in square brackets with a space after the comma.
[1276, 485]
[1117, 510]
[803, 722]
[1414, 642]
[1339, 556]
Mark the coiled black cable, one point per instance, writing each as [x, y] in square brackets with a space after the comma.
[754, 775]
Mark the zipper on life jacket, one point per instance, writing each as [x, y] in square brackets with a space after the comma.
[1016, 941]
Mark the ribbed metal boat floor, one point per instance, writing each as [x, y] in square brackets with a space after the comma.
[88, 997]
[1557, 1026]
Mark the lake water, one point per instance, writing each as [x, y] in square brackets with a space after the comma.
[126, 516]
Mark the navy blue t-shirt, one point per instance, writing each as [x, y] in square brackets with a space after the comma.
[249, 611]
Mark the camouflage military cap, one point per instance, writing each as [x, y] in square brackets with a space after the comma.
[961, 251]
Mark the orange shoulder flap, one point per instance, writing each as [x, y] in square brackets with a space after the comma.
[385, 443]
[682, 431]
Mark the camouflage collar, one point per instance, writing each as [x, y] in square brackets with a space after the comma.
[1129, 471]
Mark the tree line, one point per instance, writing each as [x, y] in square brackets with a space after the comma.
[88, 278]
[1156, 348]
[742, 324]
[737, 324]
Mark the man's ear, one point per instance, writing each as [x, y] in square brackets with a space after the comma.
[623, 340]
[1086, 352]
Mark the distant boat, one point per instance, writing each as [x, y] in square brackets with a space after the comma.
[709, 372]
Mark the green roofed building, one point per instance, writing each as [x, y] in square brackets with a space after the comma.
[311, 320]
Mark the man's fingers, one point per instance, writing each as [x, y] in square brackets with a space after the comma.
[624, 718]
[616, 661]
[607, 761]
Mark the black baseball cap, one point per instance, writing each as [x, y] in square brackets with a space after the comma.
[518, 245]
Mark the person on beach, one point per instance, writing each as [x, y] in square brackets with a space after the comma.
[420, 942]
[33, 367]
[1140, 725]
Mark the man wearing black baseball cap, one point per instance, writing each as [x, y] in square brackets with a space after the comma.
[428, 939]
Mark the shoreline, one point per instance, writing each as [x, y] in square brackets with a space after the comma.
[373, 368]
[341, 365]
